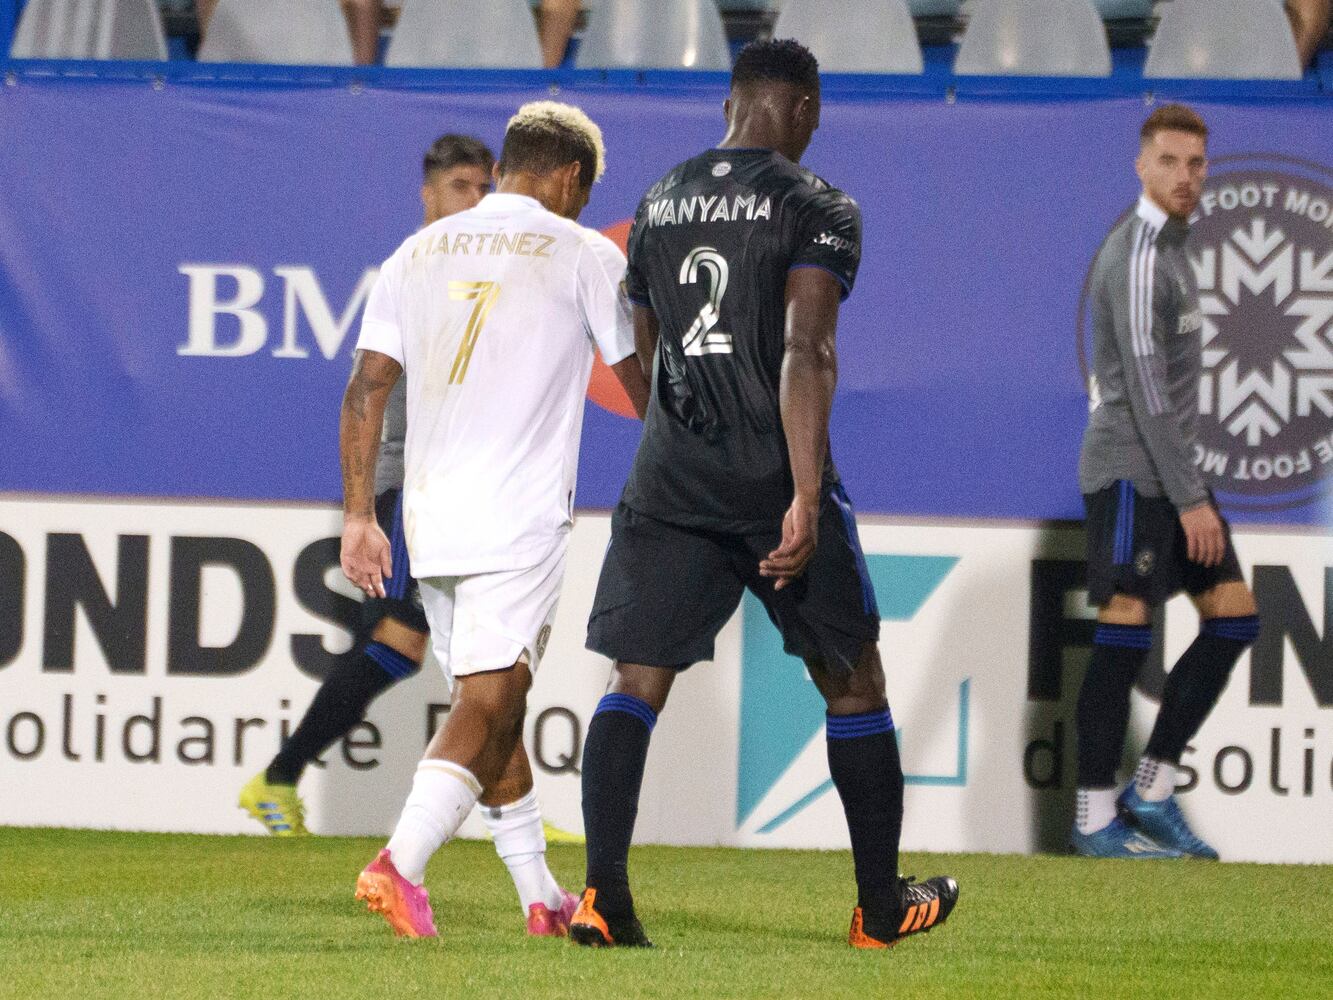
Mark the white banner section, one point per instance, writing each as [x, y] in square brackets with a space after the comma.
[153, 655]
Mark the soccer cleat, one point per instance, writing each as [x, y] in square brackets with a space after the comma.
[405, 906]
[924, 906]
[1117, 840]
[546, 922]
[592, 929]
[278, 807]
[555, 835]
[1163, 822]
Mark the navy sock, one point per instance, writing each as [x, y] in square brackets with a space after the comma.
[1196, 682]
[1118, 652]
[863, 761]
[613, 759]
[339, 704]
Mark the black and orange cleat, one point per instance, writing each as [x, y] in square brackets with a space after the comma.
[594, 930]
[924, 906]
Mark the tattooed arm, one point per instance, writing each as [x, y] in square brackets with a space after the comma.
[365, 549]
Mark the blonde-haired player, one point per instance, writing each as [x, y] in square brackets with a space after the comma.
[492, 314]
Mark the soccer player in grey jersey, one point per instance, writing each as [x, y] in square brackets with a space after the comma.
[456, 175]
[1153, 527]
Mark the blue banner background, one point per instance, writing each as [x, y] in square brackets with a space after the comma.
[960, 392]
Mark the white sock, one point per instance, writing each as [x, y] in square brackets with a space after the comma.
[443, 793]
[1155, 780]
[521, 844]
[1096, 809]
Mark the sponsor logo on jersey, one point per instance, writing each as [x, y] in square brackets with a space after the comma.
[721, 169]
[839, 243]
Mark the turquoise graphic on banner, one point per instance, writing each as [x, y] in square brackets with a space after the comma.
[781, 710]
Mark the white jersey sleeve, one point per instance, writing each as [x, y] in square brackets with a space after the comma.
[601, 298]
[381, 325]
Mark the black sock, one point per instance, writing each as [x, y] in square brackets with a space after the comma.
[613, 758]
[863, 761]
[1196, 682]
[1118, 652]
[339, 704]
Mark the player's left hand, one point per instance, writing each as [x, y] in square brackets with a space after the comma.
[365, 555]
[800, 535]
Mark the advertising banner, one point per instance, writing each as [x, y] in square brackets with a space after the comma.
[152, 656]
[182, 270]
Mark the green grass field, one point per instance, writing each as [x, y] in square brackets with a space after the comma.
[88, 915]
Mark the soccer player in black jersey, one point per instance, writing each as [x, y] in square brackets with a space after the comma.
[738, 260]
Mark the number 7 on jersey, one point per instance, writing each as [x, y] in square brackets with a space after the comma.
[484, 294]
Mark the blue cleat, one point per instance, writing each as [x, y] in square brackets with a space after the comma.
[1117, 840]
[1163, 822]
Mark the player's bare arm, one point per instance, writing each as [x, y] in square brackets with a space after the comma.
[809, 376]
[637, 373]
[365, 549]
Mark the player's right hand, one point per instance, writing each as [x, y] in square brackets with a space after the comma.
[800, 535]
[1205, 539]
[365, 555]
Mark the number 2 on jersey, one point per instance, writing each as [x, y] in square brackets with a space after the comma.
[706, 264]
[484, 294]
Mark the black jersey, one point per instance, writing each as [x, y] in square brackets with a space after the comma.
[709, 252]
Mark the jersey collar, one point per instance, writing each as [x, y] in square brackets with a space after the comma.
[502, 202]
[1167, 228]
[1150, 213]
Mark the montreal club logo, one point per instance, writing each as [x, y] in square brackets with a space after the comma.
[1262, 251]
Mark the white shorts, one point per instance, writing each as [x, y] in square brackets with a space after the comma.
[489, 621]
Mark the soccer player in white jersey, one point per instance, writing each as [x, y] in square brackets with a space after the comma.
[492, 314]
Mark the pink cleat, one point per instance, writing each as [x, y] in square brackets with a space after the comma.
[545, 922]
[405, 906]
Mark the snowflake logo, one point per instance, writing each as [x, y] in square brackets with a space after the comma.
[1262, 255]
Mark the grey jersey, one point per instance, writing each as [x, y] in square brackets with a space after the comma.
[1147, 355]
[389, 468]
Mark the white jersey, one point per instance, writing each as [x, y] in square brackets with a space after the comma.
[493, 314]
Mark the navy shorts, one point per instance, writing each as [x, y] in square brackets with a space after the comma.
[1136, 546]
[401, 600]
[666, 591]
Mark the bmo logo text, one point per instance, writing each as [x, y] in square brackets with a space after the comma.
[231, 311]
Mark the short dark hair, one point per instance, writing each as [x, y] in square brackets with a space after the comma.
[451, 149]
[1173, 118]
[781, 60]
[545, 136]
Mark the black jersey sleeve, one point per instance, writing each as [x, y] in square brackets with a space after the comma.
[636, 282]
[828, 236]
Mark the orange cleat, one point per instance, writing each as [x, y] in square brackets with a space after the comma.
[591, 929]
[405, 906]
[924, 906]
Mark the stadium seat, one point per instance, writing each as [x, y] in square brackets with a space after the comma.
[1227, 39]
[1034, 38]
[286, 32]
[668, 34]
[934, 8]
[1124, 10]
[90, 29]
[884, 39]
[493, 33]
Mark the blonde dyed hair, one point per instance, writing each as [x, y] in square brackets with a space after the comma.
[562, 127]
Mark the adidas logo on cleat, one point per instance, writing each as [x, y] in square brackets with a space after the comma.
[925, 906]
